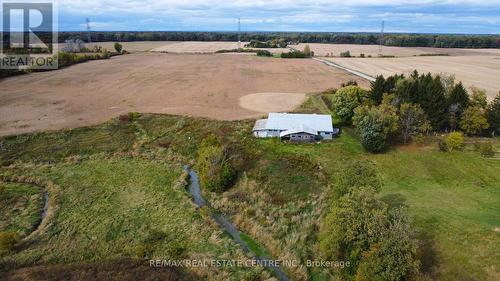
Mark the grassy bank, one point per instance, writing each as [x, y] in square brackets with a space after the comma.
[20, 207]
[119, 195]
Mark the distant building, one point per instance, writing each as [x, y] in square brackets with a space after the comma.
[296, 127]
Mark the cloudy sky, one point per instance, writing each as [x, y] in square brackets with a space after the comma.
[424, 16]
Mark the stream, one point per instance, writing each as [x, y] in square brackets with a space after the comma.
[228, 226]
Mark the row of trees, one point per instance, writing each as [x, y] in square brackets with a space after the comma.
[402, 40]
[403, 108]
[375, 238]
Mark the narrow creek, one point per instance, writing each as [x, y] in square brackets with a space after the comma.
[228, 226]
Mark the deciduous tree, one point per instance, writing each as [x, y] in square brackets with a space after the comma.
[346, 99]
[474, 120]
[412, 121]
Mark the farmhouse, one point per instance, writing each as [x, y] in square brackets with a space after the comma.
[295, 127]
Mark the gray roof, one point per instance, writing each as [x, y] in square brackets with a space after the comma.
[301, 129]
[260, 125]
[285, 121]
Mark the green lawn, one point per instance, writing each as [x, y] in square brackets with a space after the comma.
[454, 199]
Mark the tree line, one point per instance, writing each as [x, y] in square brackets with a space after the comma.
[401, 109]
[391, 39]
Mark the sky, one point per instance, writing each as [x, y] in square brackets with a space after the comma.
[420, 16]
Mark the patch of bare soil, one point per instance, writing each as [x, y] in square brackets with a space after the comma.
[272, 102]
[184, 84]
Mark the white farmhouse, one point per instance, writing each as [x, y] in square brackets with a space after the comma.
[296, 127]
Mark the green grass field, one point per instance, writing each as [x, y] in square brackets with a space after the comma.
[20, 207]
[118, 196]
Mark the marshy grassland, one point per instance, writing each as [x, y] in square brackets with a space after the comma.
[117, 191]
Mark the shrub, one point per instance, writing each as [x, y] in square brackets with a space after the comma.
[8, 241]
[215, 170]
[442, 145]
[307, 51]
[293, 55]
[349, 83]
[354, 174]
[455, 141]
[133, 116]
[486, 149]
[361, 55]
[346, 54]
[264, 53]
[118, 47]
[105, 54]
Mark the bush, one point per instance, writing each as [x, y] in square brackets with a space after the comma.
[307, 51]
[118, 47]
[362, 55]
[442, 145]
[455, 141]
[485, 149]
[8, 241]
[214, 169]
[293, 55]
[105, 54]
[264, 53]
[349, 83]
[354, 174]
[346, 54]
[133, 116]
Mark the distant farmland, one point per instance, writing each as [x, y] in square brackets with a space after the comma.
[481, 71]
[186, 84]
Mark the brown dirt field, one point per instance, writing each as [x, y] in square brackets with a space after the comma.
[268, 102]
[373, 50]
[142, 46]
[479, 71]
[185, 84]
[197, 47]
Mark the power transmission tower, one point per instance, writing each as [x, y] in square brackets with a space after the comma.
[89, 39]
[239, 34]
[381, 39]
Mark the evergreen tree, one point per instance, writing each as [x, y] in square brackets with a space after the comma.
[378, 89]
[494, 114]
[459, 95]
[433, 101]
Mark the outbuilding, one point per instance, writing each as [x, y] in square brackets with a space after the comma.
[296, 127]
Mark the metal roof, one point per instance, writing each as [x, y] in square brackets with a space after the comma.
[285, 121]
[301, 129]
[260, 125]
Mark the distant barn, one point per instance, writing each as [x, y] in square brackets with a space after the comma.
[296, 127]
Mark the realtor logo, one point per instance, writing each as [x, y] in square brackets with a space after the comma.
[29, 35]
